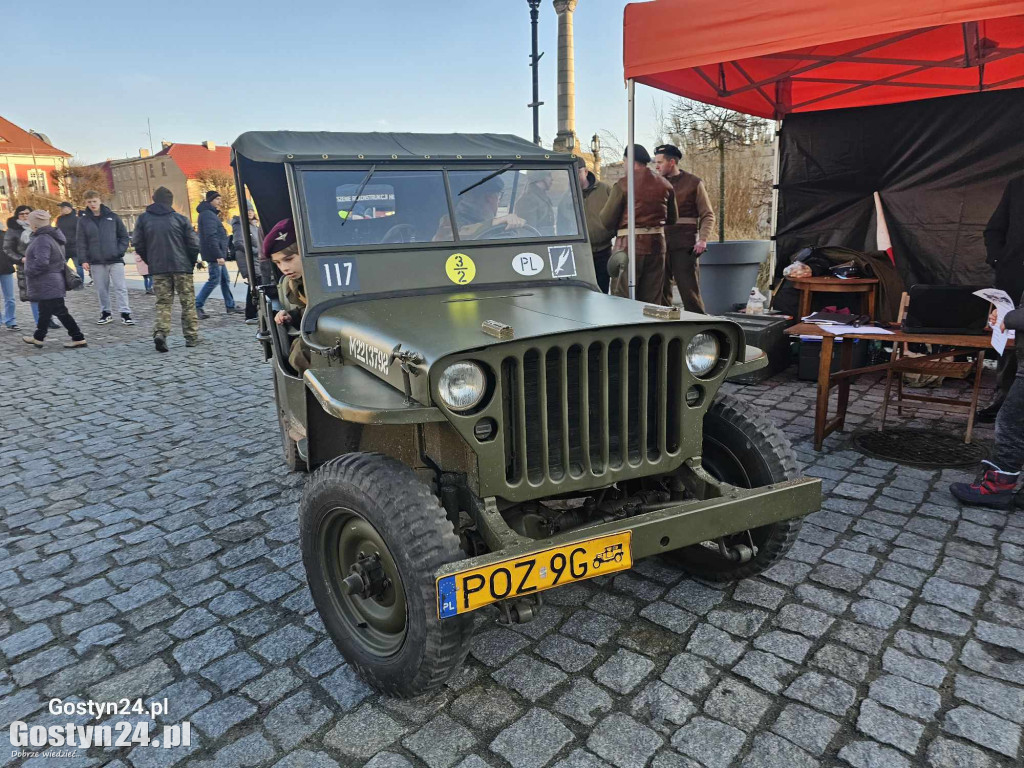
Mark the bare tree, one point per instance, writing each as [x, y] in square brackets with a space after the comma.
[704, 129]
[23, 195]
[223, 182]
[76, 179]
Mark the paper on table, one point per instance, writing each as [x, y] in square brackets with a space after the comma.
[839, 330]
[1003, 304]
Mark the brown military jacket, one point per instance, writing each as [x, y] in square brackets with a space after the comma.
[696, 216]
[655, 202]
[594, 198]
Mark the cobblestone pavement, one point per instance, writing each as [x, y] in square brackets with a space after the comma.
[149, 549]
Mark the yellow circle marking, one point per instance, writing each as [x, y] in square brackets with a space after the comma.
[460, 269]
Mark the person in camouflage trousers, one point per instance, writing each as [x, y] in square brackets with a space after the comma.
[165, 240]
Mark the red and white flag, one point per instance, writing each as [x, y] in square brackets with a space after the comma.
[882, 239]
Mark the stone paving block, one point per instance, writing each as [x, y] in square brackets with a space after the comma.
[642, 588]
[822, 692]
[580, 758]
[737, 704]
[766, 671]
[590, 627]
[842, 662]
[623, 742]
[295, 719]
[619, 606]
[784, 644]
[497, 646]
[689, 674]
[919, 670]
[713, 743]
[824, 599]
[272, 686]
[1003, 636]
[284, 644]
[584, 702]
[624, 671]
[946, 753]
[867, 639]
[868, 754]
[694, 597]
[533, 740]
[138, 595]
[196, 653]
[924, 645]
[440, 743]
[485, 707]
[25, 641]
[875, 613]
[806, 728]
[346, 687]
[886, 726]
[958, 597]
[233, 671]
[770, 751]
[715, 645]
[905, 696]
[192, 622]
[668, 616]
[569, 654]
[803, 620]
[998, 698]
[984, 729]
[321, 659]
[183, 698]
[759, 593]
[40, 665]
[217, 718]
[530, 678]
[838, 577]
[659, 704]
[744, 622]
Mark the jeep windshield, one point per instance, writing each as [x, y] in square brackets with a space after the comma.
[416, 206]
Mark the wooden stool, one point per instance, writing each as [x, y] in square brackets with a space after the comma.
[862, 285]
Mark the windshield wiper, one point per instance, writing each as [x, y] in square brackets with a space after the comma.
[362, 186]
[486, 178]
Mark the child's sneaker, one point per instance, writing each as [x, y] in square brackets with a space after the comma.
[994, 490]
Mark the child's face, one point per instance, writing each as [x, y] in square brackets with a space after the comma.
[289, 262]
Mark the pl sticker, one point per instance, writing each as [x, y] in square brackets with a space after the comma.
[527, 264]
[460, 269]
[563, 261]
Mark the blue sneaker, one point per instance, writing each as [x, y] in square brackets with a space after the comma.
[995, 489]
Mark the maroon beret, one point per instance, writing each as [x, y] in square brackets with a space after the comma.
[279, 238]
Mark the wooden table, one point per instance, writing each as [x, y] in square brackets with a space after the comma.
[823, 425]
[811, 285]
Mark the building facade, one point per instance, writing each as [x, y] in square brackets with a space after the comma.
[26, 162]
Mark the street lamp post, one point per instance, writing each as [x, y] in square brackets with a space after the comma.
[534, 61]
[595, 150]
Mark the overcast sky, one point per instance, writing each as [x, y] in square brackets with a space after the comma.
[213, 70]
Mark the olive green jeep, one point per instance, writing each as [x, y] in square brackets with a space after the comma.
[480, 422]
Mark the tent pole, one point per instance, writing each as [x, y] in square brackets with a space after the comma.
[630, 179]
[773, 255]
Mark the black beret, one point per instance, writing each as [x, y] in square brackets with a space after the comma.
[640, 154]
[669, 150]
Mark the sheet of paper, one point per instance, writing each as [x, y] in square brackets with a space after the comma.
[1003, 304]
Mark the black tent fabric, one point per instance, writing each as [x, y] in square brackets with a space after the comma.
[939, 165]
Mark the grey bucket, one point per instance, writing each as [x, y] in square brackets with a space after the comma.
[728, 271]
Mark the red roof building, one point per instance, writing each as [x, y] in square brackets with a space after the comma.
[26, 162]
[193, 158]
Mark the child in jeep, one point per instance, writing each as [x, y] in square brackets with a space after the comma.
[282, 248]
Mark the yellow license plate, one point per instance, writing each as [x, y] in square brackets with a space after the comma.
[520, 576]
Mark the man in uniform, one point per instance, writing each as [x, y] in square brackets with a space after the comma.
[687, 239]
[534, 206]
[595, 195]
[655, 207]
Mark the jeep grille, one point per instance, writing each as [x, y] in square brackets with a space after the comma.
[578, 410]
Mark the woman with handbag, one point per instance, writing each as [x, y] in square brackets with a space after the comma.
[46, 268]
[16, 240]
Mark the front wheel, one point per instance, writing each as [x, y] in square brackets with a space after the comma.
[742, 447]
[372, 537]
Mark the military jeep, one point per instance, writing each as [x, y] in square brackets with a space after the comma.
[480, 422]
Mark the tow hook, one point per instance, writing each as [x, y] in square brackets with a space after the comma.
[519, 611]
[738, 553]
[366, 578]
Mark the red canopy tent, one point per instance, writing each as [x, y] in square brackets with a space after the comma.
[790, 56]
[773, 59]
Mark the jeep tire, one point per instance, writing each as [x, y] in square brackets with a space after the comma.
[743, 447]
[365, 505]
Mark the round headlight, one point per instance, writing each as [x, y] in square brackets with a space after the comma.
[702, 353]
[462, 386]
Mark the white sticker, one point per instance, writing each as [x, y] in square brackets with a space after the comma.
[369, 355]
[527, 264]
[563, 261]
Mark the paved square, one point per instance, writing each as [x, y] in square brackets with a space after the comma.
[148, 548]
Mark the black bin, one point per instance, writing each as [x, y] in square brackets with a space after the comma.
[766, 333]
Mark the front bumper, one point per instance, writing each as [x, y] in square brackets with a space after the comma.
[690, 522]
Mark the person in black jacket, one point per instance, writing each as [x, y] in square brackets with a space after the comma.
[213, 241]
[67, 223]
[165, 240]
[101, 242]
[1004, 242]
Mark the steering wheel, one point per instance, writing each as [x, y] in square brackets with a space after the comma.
[500, 232]
[400, 233]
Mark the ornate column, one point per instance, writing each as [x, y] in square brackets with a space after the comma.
[565, 141]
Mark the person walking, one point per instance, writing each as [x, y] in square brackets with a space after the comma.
[238, 251]
[102, 241]
[213, 243]
[687, 239]
[7, 280]
[166, 242]
[67, 222]
[45, 262]
[654, 203]
[16, 241]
